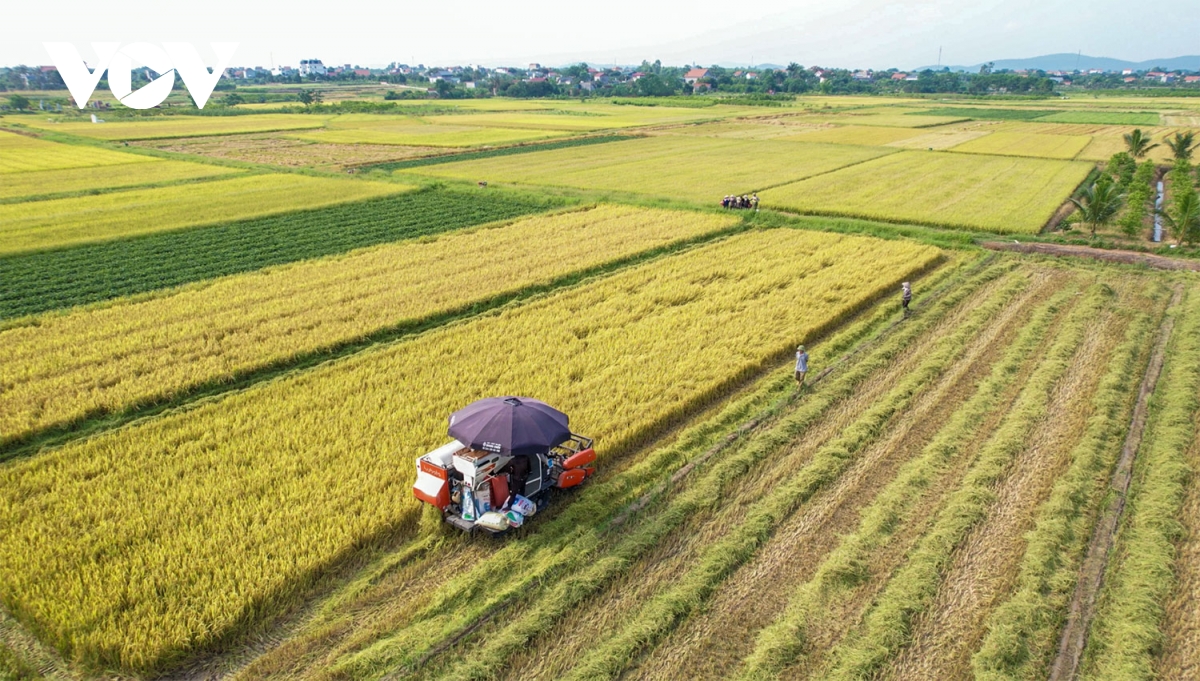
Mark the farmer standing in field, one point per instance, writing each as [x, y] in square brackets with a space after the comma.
[801, 365]
[905, 297]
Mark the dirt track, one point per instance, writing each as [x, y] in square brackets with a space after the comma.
[1160, 262]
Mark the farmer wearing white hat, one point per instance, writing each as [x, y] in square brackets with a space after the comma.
[801, 365]
[905, 297]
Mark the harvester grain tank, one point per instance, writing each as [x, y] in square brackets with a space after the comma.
[507, 456]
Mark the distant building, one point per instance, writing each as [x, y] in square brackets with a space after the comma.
[899, 76]
[1130, 79]
[694, 75]
[312, 67]
[1127, 72]
[1191, 79]
[362, 72]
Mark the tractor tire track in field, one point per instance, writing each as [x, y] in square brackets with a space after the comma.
[948, 633]
[710, 646]
[1181, 625]
[553, 655]
[1087, 589]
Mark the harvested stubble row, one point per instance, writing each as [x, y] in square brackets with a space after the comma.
[746, 521]
[103, 549]
[567, 562]
[888, 625]
[1023, 630]
[56, 223]
[48, 280]
[61, 368]
[841, 575]
[1126, 637]
[988, 559]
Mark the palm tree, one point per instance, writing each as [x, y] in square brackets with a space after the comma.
[1138, 143]
[1099, 203]
[1182, 145]
[1183, 217]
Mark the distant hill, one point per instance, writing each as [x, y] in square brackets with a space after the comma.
[1066, 61]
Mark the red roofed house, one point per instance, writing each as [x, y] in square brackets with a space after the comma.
[362, 72]
[694, 75]
[899, 76]
[1191, 79]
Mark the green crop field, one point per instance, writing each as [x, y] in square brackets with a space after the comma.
[227, 339]
[1019, 144]
[700, 169]
[1006, 195]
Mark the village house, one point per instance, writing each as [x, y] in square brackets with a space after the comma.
[694, 75]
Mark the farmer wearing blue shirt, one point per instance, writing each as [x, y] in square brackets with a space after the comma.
[801, 365]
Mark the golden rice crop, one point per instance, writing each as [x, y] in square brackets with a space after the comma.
[59, 368]
[140, 546]
[1027, 144]
[857, 134]
[183, 126]
[20, 153]
[997, 194]
[413, 132]
[62, 222]
[32, 183]
[699, 168]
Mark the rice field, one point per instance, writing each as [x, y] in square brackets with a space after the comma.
[640, 338]
[180, 126]
[1006, 195]
[23, 153]
[411, 131]
[699, 169]
[58, 223]
[857, 134]
[68, 180]
[62, 367]
[1064, 147]
[215, 382]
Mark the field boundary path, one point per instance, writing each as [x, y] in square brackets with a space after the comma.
[1091, 579]
[1160, 262]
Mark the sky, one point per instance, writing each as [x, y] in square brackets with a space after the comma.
[854, 33]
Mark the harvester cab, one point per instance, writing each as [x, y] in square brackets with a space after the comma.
[507, 455]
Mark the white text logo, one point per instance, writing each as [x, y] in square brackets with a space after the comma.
[164, 61]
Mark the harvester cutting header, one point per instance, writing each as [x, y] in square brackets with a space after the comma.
[507, 454]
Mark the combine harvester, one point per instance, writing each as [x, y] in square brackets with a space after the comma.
[507, 454]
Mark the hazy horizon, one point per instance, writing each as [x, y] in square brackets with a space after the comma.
[859, 34]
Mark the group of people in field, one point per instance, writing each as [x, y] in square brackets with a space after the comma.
[802, 352]
[742, 201]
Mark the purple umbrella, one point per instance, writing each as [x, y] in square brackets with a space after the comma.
[509, 425]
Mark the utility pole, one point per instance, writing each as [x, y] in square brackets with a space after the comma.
[939, 56]
[1077, 56]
